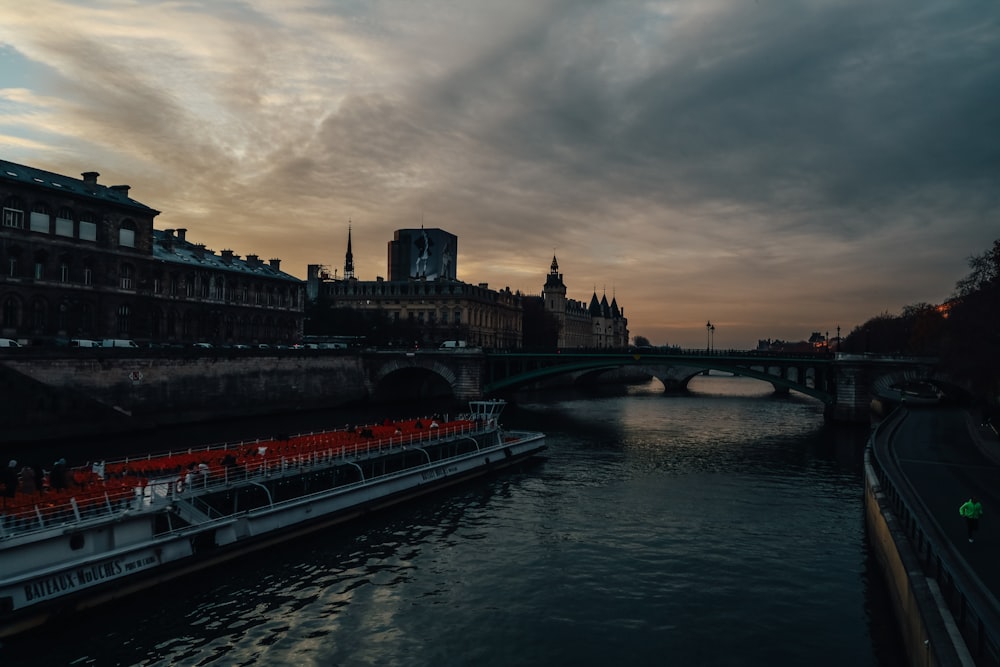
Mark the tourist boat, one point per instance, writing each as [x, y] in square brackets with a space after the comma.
[121, 526]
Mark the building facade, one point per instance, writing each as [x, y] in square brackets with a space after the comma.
[423, 297]
[82, 260]
[600, 325]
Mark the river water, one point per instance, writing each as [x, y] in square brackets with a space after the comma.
[723, 527]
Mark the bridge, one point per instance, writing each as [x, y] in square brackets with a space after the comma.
[845, 384]
[51, 390]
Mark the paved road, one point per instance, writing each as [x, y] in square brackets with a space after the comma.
[948, 456]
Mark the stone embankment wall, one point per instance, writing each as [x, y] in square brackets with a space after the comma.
[61, 397]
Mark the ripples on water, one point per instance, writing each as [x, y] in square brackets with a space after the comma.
[720, 528]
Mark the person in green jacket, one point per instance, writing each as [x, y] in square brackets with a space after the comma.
[971, 509]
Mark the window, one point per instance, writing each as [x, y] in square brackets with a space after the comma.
[39, 270]
[126, 234]
[87, 317]
[40, 218]
[12, 267]
[64, 223]
[88, 228]
[13, 213]
[124, 315]
[11, 313]
[39, 312]
[88, 276]
[127, 277]
[64, 272]
[220, 287]
[157, 285]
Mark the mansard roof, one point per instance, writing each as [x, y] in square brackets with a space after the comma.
[193, 256]
[86, 188]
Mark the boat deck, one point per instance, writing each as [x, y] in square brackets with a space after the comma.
[107, 487]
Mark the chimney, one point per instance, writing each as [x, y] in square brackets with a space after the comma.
[252, 260]
[227, 256]
[275, 264]
[199, 250]
[121, 189]
[90, 178]
[181, 233]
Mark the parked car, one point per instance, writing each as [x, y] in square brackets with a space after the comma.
[9, 342]
[83, 342]
[118, 342]
[202, 345]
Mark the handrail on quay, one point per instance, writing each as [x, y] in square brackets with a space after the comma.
[974, 607]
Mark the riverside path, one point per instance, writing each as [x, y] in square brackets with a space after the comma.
[945, 456]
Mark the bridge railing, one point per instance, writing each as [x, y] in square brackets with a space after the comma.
[973, 605]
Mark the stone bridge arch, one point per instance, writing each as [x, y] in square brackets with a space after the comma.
[424, 376]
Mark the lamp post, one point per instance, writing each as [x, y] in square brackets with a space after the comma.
[708, 336]
[711, 339]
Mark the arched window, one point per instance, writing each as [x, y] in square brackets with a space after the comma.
[39, 312]
[126, 234]
[86, 317]
[155, 320]
[124, 319]
[11, 313]
[13, 213]
[40, 218]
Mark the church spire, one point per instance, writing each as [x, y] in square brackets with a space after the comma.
[349, 260]
[554, 268]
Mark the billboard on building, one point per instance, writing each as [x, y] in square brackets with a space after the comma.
[423, 254]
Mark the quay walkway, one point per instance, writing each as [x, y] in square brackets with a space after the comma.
[928, 460]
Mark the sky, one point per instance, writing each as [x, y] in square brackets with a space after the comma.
[775, 167]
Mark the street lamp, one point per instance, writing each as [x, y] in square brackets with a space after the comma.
[711, 338]
[708, 336]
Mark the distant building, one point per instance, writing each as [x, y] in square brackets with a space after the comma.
[422, 254]
[422, 296]
[600, 325]
[82, 260]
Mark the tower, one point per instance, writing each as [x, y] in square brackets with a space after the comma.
[349, 260]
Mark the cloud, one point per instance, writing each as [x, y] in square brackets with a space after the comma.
[776, 167]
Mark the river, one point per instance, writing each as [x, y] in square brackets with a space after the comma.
[722, 527]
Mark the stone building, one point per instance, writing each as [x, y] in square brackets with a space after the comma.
[432, 309]
[82, 260]
[600, 325]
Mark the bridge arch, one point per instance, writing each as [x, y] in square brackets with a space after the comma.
[411, 378]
